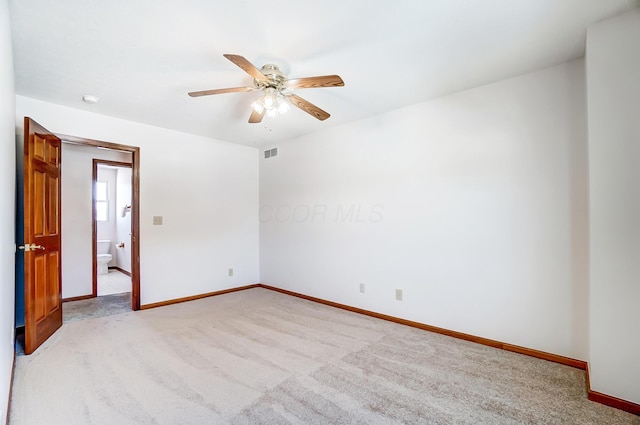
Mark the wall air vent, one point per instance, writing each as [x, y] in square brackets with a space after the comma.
[270, 153]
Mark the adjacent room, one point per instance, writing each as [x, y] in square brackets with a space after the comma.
[363, 212]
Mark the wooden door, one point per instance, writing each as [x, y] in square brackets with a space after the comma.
[42, 259]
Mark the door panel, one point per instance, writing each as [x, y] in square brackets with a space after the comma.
[38, 191]
[52, 213]
[42, 264]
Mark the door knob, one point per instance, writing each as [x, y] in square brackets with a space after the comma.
[31, 247]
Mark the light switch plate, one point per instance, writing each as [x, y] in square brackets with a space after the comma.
[157, 220]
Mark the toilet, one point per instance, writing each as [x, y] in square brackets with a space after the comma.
[104, 256]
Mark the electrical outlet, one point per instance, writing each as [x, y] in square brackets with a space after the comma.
[399, 294]
[157, 220]
[362, 288]
[231, 271]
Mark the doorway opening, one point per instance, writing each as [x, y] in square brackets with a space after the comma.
[111, 224]
[123, 213]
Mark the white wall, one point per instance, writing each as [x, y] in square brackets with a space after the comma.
[613, 70]
[473, 204]
[123, 224]
[77, 174]
[7, 211]
[205, 189]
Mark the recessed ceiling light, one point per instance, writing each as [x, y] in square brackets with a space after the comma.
[88, 98]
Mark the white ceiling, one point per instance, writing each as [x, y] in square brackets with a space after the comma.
[141, 57]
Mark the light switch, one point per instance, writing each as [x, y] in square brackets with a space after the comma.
[157, 220]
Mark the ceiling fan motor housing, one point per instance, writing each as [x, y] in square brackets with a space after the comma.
[274, 75]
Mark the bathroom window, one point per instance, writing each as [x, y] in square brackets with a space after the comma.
[102, 201]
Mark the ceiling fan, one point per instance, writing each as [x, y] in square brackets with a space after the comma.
[277, 90]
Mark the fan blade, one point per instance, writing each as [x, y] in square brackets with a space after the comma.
[308, 107]
[256, 116]
[247, 67]
[313, 82]
[220, 91]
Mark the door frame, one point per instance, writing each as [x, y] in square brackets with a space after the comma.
[94, 231]
[135, 212]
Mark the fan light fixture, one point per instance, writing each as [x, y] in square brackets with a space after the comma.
[272, 103]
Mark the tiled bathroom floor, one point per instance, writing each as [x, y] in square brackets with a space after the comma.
[115, 282]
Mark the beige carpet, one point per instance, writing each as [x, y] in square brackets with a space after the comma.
[260, 357]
